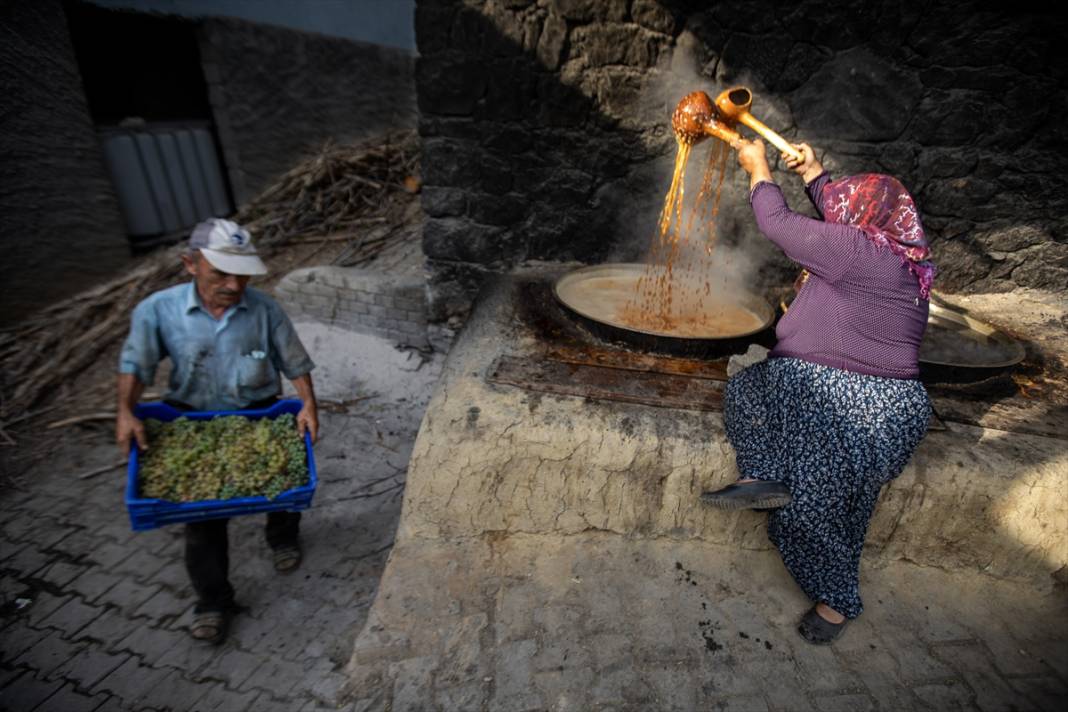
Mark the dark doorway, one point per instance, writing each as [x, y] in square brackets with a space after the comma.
[149, 101]
[138, 64]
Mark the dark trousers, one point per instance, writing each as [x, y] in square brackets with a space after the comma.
[207, 546]
[207, 556]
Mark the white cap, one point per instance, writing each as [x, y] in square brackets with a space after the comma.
[227, 246]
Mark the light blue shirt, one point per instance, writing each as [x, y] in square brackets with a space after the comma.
[218, 364]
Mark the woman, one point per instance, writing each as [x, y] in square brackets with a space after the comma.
[836, 410]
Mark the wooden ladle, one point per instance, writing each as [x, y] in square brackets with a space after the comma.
[733, 106]
[695, 119]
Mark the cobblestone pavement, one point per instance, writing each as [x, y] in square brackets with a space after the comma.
[94, 615]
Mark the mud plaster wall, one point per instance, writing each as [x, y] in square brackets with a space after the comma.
[60, 226]
[545, 138]
[277, 95]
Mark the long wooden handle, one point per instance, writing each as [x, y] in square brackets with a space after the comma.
[773, 138]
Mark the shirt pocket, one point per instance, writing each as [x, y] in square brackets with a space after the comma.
[254, 371]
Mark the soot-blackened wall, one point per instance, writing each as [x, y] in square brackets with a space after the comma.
[278, 95]
[546, 138]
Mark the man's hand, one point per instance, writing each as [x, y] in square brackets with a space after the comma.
[807, 167]
[129, 427]
[308, 417]
[308, 421]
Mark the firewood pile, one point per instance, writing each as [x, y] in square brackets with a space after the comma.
[353, 194]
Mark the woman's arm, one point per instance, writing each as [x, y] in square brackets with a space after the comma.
[825, 249]
[811, 172]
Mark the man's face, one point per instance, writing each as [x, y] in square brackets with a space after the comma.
[217, 289]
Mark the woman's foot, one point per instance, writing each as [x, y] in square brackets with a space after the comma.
[821, 625]
[749, 494]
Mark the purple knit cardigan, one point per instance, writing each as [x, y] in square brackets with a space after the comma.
[860, 309]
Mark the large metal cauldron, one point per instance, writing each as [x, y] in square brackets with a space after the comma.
[959, 348]
[598, 297]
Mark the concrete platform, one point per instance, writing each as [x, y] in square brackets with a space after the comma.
[539, 529]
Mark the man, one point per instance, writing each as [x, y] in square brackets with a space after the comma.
[227, 343]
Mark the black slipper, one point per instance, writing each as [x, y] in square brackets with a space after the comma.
[818, 630]
[758, 494]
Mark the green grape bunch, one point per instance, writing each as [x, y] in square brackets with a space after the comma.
[222, 458]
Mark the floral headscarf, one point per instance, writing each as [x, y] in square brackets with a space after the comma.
[881, 207]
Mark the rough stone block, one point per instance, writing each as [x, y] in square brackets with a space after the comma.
[455, 239]
[865, 74]
[441, 202]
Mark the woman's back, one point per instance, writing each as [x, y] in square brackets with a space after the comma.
[870, 320]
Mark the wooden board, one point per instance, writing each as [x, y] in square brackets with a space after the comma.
[660, 390]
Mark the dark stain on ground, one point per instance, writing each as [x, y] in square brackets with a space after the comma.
[472, 415]
[706, 630]
[685, 575]
[743, 634]
[767, 645]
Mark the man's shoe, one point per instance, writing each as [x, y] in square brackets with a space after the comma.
[287, 558]
[757, 494]
[211, 627]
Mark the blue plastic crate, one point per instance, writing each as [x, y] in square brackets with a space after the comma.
[152, 513]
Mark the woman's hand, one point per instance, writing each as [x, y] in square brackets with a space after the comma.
[754, 160]
[751, 155]
[808, 167]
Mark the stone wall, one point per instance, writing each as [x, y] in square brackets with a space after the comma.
[387, 305]
[546, 138]
[278, 95]
[60, 227]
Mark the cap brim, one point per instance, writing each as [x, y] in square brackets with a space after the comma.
[245, 265]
